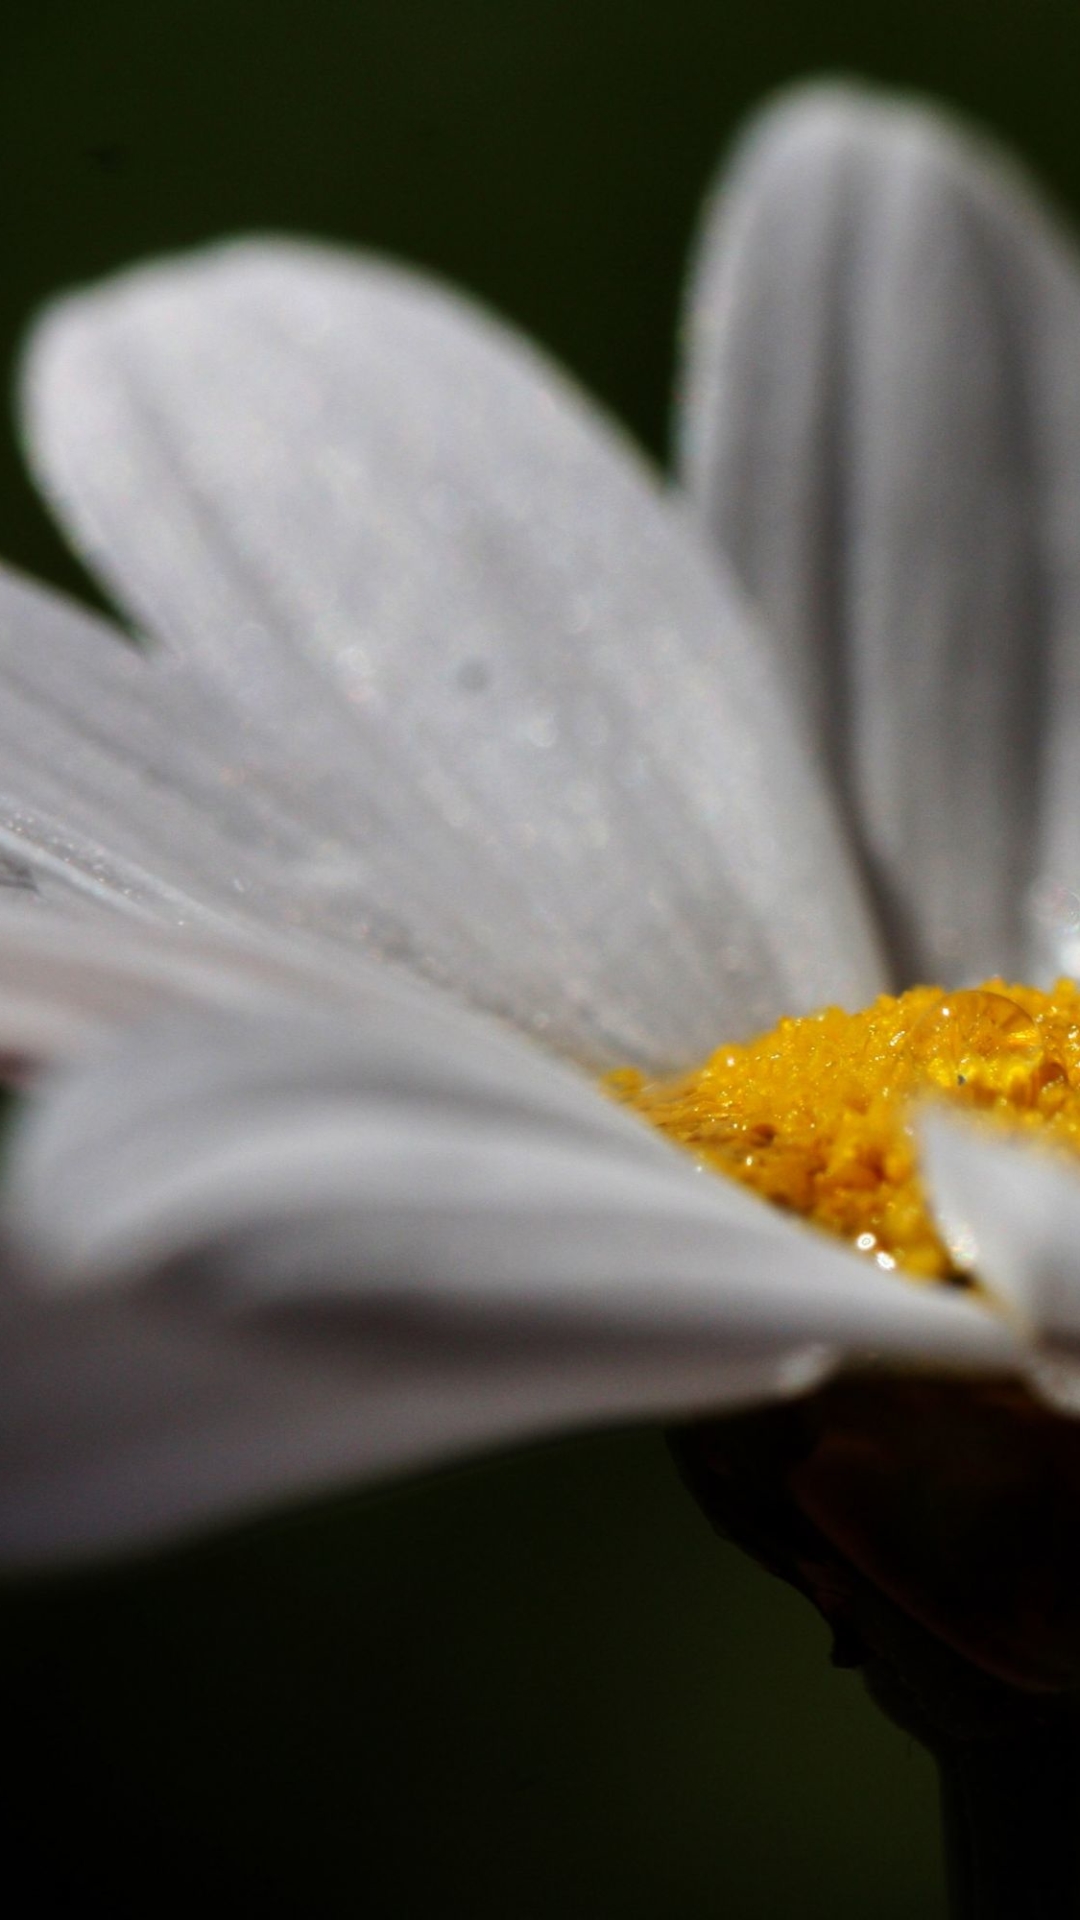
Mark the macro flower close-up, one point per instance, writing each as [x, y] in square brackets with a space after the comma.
[455, 786]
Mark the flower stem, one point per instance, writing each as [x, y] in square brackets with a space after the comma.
[1011, 1816]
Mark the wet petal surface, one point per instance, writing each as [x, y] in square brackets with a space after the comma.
[405, 550]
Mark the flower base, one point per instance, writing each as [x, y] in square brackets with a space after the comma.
[933, 1524]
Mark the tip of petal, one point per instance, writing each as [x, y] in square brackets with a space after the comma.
[814, 126]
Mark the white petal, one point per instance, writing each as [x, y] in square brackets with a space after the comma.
[882, 431]
[124, 790]
[1011, 1210]
[456, 603]
[127, 792]
[279, 1254]
[63, 981]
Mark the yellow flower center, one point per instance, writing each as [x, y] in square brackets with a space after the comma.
[817, 1116]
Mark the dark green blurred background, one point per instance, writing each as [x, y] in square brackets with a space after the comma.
[537, 1688]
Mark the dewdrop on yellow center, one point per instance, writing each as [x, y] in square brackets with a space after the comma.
[817, 1115]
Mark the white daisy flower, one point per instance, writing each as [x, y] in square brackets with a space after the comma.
[462, 761]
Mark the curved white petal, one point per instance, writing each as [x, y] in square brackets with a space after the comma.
[272, 1255]
[125, 790]
[882, 432]
[460, 612]
[130, 791]
[1010, 1209]
[63, 981]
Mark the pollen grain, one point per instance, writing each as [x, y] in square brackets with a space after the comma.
[817, 1115]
